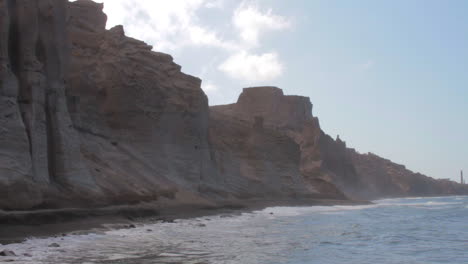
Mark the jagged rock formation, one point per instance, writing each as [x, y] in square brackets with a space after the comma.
[136, 112]
[323, 161]
[39, 145]
[90, 117]
[256, 161]
[328, 161]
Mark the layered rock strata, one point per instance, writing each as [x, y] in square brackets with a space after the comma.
[323, 161]
[39, 146]
[385, 178]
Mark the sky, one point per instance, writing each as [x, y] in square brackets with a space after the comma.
[390, 77]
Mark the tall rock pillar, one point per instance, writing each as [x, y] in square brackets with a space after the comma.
[15, 155]
[65, 161]
[38, 142]
[31, 81]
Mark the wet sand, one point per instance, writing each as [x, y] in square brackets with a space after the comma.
[19, 225]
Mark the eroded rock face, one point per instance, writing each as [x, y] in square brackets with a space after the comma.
[385, 178]
[323, 161]
[136, 112]
[254, 161]
[139, 115]
[276, 109]
[326, 164]
[15, 161]
[39, 145]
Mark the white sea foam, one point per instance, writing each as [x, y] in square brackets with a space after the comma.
[295, 211]
[170, 255]
[422, 204]
[120, 256]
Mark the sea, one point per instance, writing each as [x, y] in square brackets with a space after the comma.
[390, 231]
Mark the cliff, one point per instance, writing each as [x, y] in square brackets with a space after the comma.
[40, 149]
[90, 117]
[385, 178]
[323, 161]
[142, 122]
[137, 114]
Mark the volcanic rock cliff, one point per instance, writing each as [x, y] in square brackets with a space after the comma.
[90, 117]
[39, 148]
[326, 163]
[146, 131]
[323, 161]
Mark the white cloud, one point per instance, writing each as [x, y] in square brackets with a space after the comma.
[215, 4]
[208, 86]
[201, 36]
[171, 25]
[253, 68]
[252, 23]
[168, 25]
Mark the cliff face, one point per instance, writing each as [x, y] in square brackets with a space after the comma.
[324, 160]
[143, 123]
[90, 117]
[122, 124]
[255, 162]
[384, 178]
[324, 163]
[39, 147]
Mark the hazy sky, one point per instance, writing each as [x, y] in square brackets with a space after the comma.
[390, 77]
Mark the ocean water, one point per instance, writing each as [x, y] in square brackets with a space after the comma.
[409, 231]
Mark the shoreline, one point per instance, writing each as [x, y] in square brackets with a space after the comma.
[16, 227]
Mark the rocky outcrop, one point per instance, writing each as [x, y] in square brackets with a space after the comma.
[323, 161]
[136, 112]
[90, 117]
[39, 146]
[255, 161]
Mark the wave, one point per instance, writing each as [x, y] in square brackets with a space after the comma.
[421, 204]
[397, 202]
[295, 211]
[458, 197]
